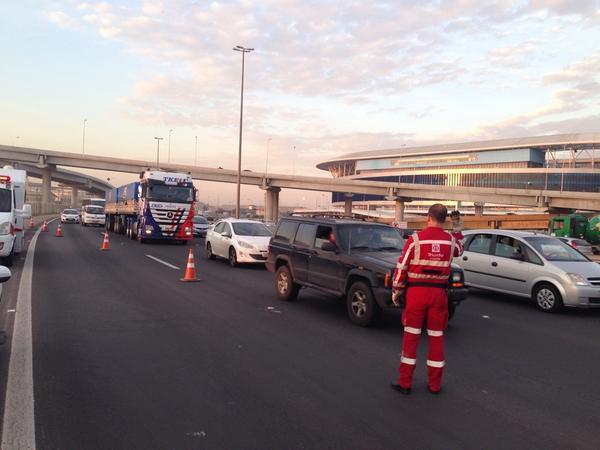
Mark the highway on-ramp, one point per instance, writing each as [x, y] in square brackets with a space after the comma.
[127, 356]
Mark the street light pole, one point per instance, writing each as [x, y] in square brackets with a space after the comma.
[158, 139]
[169, 152]
[83, 145]
[196, 152]
[243, 50]
[267, 163]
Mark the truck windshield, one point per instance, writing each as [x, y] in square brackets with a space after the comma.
[370, 238]
[164, 193]
[5, 200]
[94, 210]
[554, 249]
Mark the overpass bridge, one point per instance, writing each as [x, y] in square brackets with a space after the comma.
[48, 160]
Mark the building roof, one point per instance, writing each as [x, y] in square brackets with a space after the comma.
[572, 141]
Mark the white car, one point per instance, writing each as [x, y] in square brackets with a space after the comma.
[69, 216]
[93, 215]
[238, 240]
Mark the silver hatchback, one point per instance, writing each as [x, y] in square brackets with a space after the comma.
[530, 265]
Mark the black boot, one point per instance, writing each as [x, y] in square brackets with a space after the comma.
[397, 387]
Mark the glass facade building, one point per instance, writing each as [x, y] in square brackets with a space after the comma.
[542, 164]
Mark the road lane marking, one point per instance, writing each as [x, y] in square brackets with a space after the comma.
[18, 428]
[163, 262]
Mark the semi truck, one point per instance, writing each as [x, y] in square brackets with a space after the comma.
[576, 225]
[160, 206]
[13, 212]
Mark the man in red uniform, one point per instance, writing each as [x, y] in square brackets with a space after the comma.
[421, 277]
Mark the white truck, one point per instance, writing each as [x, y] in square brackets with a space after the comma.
[13, 212]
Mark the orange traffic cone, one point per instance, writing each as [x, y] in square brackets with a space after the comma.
[31, 224]
[190, 270]
[45, 226]
[58, 231]
[105, 242]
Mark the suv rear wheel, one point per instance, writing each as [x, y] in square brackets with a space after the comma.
[362, 308]
[451, 310]
[286, 289]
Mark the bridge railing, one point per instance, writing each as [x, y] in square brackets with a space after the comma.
[38, 208]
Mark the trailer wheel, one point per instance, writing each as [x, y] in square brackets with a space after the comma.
[140, 236]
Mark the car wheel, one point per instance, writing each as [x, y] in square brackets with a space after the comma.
[362, 308]
[209, 252]
[233, 262]
[286, 289]
[547, 298]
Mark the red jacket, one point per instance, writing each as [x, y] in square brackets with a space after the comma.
[427, 257]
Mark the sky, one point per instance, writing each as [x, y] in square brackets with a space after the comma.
[326, 78]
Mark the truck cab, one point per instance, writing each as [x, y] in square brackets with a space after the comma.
[13, 212]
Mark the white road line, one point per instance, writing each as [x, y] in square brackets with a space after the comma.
[163, 262]
[18, 429]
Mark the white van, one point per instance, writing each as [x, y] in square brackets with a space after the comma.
[92, 215]
[13, 212]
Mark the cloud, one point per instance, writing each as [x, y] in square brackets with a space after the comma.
[315, 56]
[62, 20]
[577, 92]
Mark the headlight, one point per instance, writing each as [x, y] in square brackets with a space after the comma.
[577, 279]
[245, 244]
[148, 229]
[4, 228]
[188, 231]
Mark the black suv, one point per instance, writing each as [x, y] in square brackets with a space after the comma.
[346, 258]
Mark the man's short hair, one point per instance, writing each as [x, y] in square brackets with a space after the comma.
[438, 212]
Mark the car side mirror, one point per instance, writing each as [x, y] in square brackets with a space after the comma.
[328, 246]
[4, 274]
[226, 234]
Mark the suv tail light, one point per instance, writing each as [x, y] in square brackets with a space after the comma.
[387, 279]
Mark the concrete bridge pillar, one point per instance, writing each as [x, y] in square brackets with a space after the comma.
[399, 210]
[478, 208]
[46, 199]
[348, 205]
[272, 204]
[399, 206]
[74, 196]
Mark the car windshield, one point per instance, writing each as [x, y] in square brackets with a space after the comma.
[5, 200]
[164, 193]
[554, 249]
[70, 211]
[251, 229]
[94, 210]
[370, 237]
[200, 219]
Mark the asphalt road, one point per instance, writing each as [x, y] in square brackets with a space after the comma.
[127, 356]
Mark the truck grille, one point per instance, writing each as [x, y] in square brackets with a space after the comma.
[169, 219]
[594, 281]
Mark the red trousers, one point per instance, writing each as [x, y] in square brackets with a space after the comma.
[427, 305]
